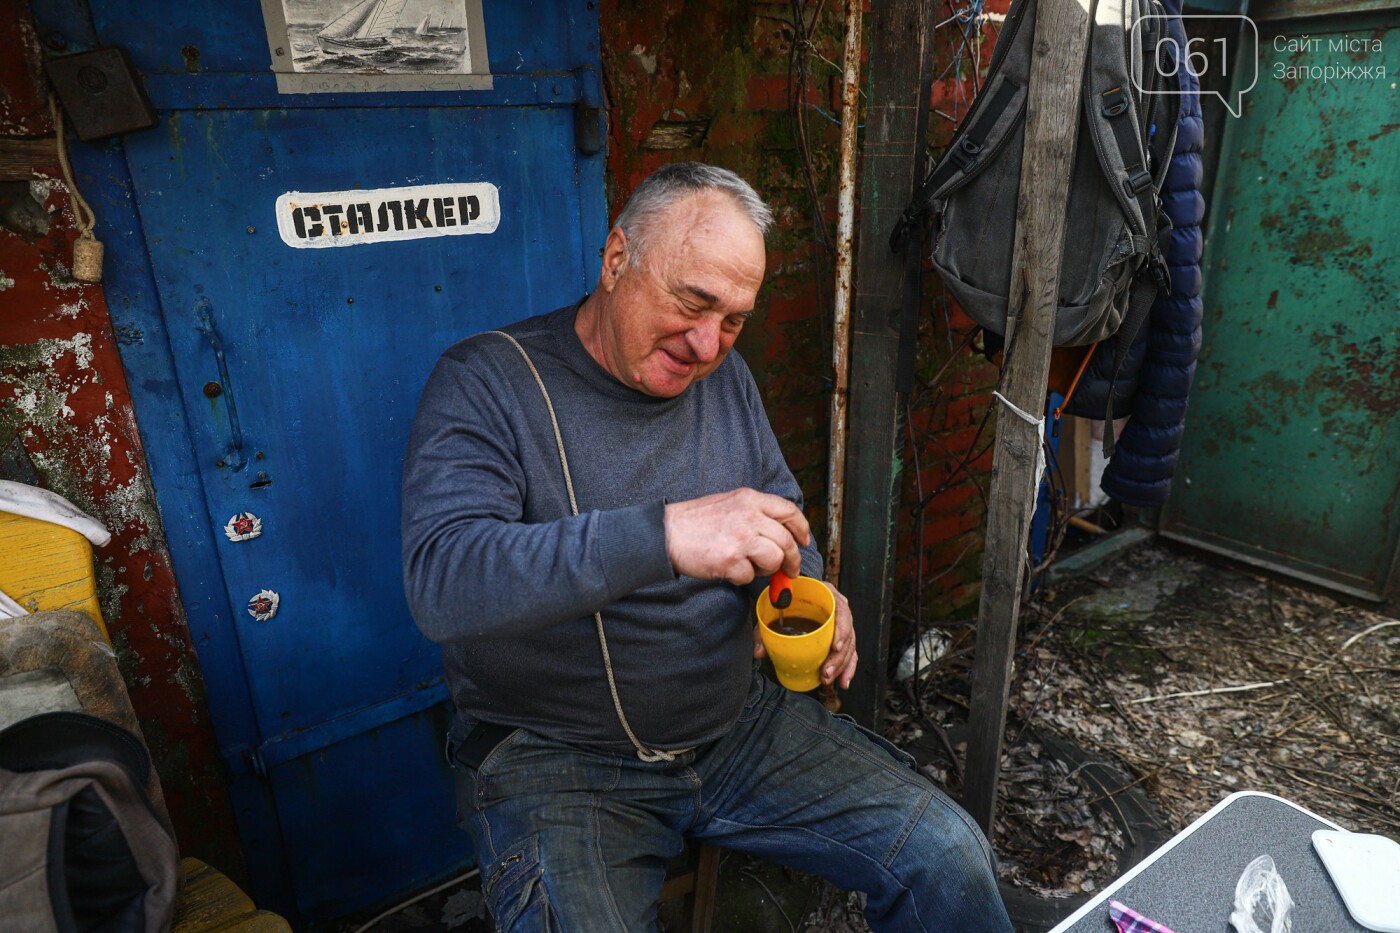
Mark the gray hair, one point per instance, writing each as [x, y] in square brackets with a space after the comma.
[668, 185]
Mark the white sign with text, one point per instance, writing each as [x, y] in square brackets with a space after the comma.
[349, 218]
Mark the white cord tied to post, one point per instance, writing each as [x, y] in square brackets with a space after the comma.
[1024, 415]
[87, 249]
[1039, 424]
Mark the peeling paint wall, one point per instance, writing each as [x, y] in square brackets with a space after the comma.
[709, 82]
[22, 103]
[67, 424]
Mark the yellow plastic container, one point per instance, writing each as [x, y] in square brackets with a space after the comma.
[797, 659]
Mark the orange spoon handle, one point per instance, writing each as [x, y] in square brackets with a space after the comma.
[780, 589]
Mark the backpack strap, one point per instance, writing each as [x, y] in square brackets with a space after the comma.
[1140, 183]
[978, 130]
[962, 155]
[1113, 112]
[1115, 105]
[1143, 293]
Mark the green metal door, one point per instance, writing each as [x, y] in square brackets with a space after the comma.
[1291, 458]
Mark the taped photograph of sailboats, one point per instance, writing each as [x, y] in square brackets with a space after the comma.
[378, 36]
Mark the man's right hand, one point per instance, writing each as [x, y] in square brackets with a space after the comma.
[735, 536]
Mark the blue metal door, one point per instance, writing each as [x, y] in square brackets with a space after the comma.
[279, 383]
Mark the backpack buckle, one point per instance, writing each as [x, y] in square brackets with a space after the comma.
[1114, 102]
[1161, 275]
[908, 223]
[1138, 181]
[965, 154]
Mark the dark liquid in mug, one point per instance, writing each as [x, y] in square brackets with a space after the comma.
[794, 625]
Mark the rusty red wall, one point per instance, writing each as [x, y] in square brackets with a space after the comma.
[951, 431]
[67, 424]
[719, 71]
[713, 79]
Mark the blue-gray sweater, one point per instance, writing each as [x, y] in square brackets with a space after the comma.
[499, 573]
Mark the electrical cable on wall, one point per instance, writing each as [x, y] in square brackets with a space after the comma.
[801, 47]
[87, 249]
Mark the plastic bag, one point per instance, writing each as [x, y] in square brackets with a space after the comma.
[932, 646]
[1262, 903]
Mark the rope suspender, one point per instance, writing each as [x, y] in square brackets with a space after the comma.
[643, 752]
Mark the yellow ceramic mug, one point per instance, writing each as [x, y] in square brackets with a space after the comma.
[798, 657]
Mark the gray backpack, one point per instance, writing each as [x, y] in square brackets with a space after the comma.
[81, 850]
[1113, 266]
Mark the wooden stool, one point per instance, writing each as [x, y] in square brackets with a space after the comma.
[210, 903]
[694, 876]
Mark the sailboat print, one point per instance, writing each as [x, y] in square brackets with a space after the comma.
[426, 28]
[364, 27]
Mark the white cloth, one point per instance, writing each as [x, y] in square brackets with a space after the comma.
[9, 609]
[33, 502]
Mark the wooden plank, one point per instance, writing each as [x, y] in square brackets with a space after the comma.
[706, 889]
[1087, 558]
[1075, 458]
[1052, 119]
[210, 902]
[21, 156]
[900, 56]
[47, 567]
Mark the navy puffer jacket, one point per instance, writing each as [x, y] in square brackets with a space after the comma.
[1156, 377]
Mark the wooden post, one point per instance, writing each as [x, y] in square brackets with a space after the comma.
[901, 38]
[1052, 122]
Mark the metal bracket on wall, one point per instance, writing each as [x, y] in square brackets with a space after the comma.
[588, 111]
[233, 457]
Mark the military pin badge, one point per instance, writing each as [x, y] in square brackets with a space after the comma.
[243, 526]
[263, 606]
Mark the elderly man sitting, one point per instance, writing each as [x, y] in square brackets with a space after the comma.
[589, 498]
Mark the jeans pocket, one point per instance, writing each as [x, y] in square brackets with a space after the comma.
[486, 783]
[453, 739]
[755, 697]
[515, 892]
[893, 750]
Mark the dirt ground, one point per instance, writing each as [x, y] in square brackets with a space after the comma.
[1194, 676]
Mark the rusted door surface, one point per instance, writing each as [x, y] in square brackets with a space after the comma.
[1291, 458]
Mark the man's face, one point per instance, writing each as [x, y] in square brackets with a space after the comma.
[670, 320]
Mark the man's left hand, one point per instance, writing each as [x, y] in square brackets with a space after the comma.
[840, 663]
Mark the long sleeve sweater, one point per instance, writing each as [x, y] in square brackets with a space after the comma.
[499, 572]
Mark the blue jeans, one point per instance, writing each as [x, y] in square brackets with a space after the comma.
[576, 840]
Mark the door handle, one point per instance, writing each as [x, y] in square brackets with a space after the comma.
[233, 457]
